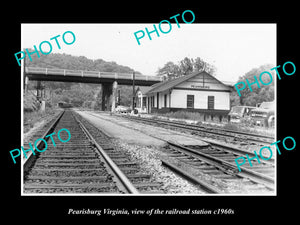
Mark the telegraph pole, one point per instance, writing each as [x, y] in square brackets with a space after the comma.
[133, 89]
[119, 97]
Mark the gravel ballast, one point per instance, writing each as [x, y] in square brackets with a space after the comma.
[149, 159]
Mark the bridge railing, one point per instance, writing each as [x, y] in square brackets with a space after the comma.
[99, 74]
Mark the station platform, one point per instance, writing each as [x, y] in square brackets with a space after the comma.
[138, 133]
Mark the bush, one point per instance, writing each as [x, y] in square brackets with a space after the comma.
[31, 118]
[231, 126]
[186, 115]
[195, 116]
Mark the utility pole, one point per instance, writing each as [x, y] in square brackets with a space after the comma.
[38, 90]
[119, 97]
[133, 89]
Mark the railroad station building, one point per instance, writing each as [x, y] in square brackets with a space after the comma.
[196, 92]
[141, 99]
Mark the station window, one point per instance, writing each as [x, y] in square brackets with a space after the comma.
[210, 102]
[190, 101]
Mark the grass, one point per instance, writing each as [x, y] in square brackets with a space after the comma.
[245, 125]
[186, 115]
[196, 116]
[231, 126]
[31, 118]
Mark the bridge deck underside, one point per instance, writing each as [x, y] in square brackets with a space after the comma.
[86, 79]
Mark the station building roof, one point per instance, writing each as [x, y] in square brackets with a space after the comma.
[166, 85]
[143, 89]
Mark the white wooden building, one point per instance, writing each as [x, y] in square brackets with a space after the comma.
[141, 99]
[196, 92]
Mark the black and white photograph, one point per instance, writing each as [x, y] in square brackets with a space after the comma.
[144, 116]
[127, 112]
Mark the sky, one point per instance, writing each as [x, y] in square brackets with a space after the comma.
[233, 48]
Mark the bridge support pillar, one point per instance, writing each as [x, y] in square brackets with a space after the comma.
[106, 89]
[113, 96]
[109, 93]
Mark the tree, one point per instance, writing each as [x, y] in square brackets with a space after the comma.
[126, 95]
[257, 95]
[65, 99]
[200, 65]
[186, 66]
[170, 70]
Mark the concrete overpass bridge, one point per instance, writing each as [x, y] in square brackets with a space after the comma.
[50, 74]
[108, 80]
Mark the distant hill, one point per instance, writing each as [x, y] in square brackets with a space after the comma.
[65, 61]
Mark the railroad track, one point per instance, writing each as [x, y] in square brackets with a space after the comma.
[82, 165]
[217, 161]
[230, 136]
[42, 129]
[219, 165]
[131, 169]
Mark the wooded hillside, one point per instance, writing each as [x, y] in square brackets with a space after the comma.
[258, 95]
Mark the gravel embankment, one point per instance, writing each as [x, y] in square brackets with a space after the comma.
[149, 159]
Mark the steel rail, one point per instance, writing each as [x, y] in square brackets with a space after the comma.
[228, 148]
[249, 136]
[236, 150]
[204, 185]
[222, 164]
[225, 130]
[27, 162]
[119, 174]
